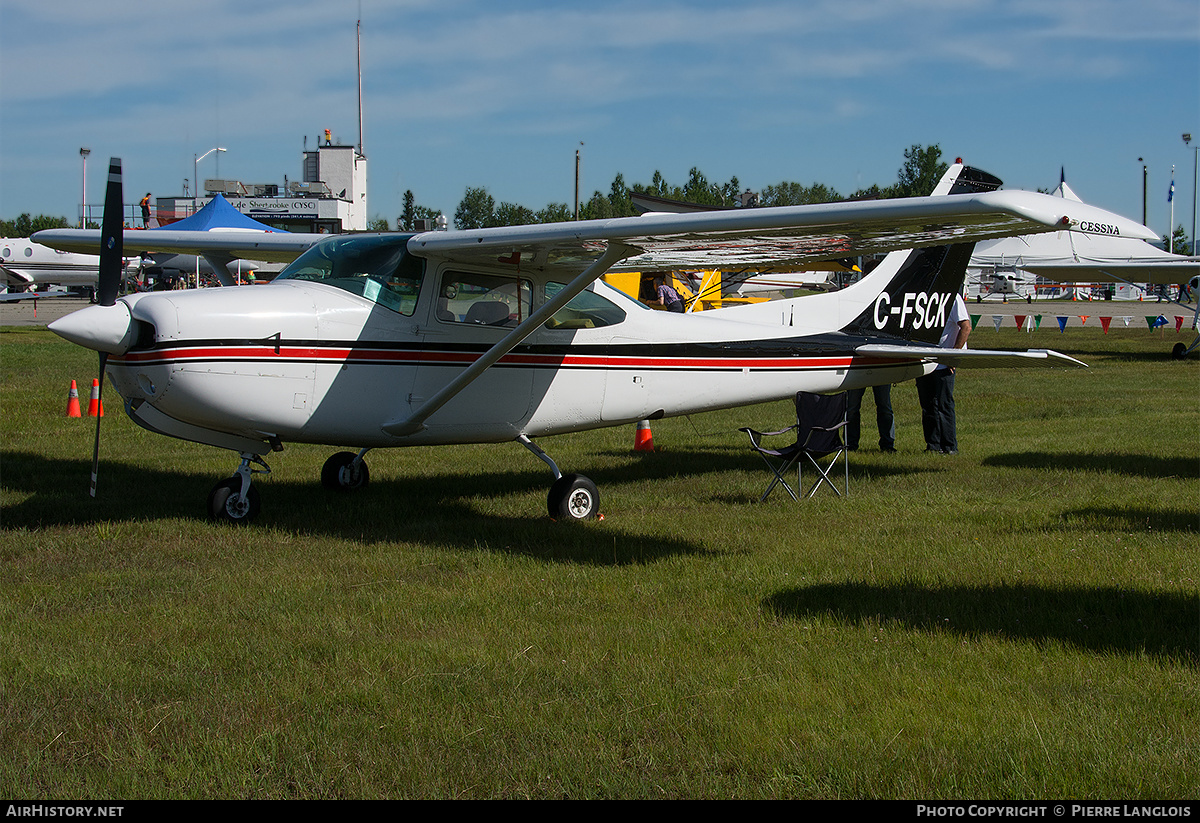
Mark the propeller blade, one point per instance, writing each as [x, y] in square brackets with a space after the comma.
[112, 246]
[112, 252]
[96, 447]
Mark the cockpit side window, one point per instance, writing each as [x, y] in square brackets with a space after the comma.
[586, 310]
[483, 299]
[377, 267]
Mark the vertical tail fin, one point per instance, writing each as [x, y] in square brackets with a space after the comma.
[923, 282]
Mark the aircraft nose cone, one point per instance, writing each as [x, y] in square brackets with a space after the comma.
[100, 328]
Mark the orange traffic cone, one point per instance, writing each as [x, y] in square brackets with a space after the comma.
[73, 401]
[643, 440]
[95, 407]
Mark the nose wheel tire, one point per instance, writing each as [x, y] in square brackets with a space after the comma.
[226, 504]
[573, 497]
[341, 473]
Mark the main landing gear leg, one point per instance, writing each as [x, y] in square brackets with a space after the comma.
[345, 471]
[235, 500]
[573, 496]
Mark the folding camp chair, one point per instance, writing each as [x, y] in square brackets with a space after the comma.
[820, 419]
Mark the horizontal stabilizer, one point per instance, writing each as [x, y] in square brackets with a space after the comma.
[973, 358]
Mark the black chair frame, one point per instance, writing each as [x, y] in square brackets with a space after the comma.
[818, 442]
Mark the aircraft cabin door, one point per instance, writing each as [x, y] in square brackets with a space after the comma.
[472, 313]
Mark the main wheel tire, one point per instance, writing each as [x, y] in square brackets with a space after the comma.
[340, 473]
[1178, 351]
[225, 502]
[573, 497]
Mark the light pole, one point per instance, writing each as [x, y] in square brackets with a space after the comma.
[1143, 191]
[196, 173]
[577, 181]
[1187, 140]
[83, 197]
[1171, 224]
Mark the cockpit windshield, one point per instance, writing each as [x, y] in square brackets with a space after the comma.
[376, 266]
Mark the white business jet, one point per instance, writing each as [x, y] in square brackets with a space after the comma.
[507, 334]
[26, 265]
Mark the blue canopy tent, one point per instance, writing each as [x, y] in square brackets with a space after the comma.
[218, 214]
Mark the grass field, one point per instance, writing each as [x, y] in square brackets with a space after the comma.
[1021, 620]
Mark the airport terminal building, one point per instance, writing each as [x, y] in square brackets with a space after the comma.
[330, 197]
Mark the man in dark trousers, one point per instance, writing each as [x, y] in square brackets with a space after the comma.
[884, 417]
[936, 389]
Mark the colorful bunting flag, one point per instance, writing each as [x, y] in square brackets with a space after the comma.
[1062, 324]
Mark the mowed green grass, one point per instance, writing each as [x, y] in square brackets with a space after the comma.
[1018, 621]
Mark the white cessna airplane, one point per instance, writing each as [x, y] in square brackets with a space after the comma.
[507, 334]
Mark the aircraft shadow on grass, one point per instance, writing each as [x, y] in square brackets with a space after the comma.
[1151, 466]
[669, 463]
[435, 509]
[420, 509]
[1100, 619]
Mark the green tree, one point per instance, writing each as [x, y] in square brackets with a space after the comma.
[476, 210]
[1178, 241]
[413, 212]
[409, 215]
[555, 213]
[512, 214]
[787, 193]
[922, 169]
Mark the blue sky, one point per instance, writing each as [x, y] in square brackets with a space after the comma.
[462, 93]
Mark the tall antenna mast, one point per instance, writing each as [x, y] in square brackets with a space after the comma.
[358, 35]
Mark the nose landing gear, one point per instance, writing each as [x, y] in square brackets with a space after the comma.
[235, 500]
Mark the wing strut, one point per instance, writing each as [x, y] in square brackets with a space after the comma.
[416, 421]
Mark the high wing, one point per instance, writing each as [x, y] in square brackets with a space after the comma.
[275, 247]
[782, 236]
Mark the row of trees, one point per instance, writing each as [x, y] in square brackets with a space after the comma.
[25, 225]
[923, 167]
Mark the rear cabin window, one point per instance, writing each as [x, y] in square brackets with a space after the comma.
[484, 299]
[586, 310]
[377, 267]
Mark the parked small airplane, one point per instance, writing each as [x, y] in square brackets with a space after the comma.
[506, 334]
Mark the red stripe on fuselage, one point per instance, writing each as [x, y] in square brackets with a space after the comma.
[381, 356]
